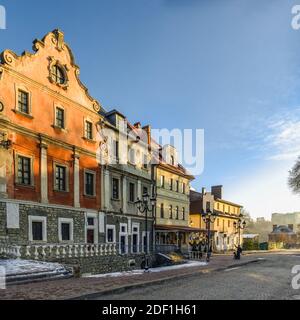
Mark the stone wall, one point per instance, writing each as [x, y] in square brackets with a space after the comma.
[104, 264]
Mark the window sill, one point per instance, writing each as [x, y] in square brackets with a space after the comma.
[90, 196]
[115, 199]
[29, 186]
[27, 115]
[89, 140]
[57, 128]
[62, 191]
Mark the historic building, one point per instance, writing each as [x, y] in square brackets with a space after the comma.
[56, 200]
[126, 177]
[290, 220]
[172, 228]
[225, 235]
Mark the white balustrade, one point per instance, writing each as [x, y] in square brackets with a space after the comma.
[58, 251]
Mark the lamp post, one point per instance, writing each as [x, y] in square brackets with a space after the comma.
[208, 218]
[145, 205]
[239, 225]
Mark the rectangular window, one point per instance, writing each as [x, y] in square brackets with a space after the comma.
[110, 235]
[89, 130]
[177, 213]
[116, 149]
[218, 222]
[60, 178]
[177, 186]
[24, 170]
[183, 188]
[115, 188]
[171, 184]
[89, 183]
[65, 231]
[183, 213]
[91, 221]
[23, 101]
[145, 190]
[131, 192]
[228, 223]
[132, 156]
[162, 213]
[60, 118]
[145, 162]
[170, 211]
[37, 230]
[162, 181]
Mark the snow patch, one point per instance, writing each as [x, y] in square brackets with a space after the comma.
[20, 267]
[189, 264]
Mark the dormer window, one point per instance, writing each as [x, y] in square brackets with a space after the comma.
[172, 160]
[58, 74]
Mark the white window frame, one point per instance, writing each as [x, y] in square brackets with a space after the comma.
[94, 173]
[44, 223]
[126, 237]
[135, 225]
[113, 227]
[112, 188]
[31, 169]
[70, 221]
[85, 120]
[58, 106]
[20, 87]
[94, 227]
[55, 164]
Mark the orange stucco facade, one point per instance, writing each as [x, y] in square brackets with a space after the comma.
[34, 133]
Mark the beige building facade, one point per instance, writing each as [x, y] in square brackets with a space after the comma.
[172, 208]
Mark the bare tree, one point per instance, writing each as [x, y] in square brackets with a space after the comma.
[294, 177]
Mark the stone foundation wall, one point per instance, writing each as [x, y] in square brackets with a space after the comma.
[104, 264]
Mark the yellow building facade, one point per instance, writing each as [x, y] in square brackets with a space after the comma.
[224, 233]
[172, 228]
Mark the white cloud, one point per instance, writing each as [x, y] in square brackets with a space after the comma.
[265, 190]
[283, 140]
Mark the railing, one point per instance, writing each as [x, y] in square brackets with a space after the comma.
[8, 250]
[58, 251]
[195, 255]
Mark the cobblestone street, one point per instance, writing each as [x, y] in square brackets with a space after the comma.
[266, 280]
[250, 277]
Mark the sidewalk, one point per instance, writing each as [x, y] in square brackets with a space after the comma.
[86, 288]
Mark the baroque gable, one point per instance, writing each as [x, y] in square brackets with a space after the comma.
[51, 51]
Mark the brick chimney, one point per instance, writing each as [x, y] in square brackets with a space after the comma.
[217, 191]
[203, 191]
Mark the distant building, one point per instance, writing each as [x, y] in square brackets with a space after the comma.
[282, 237]
[290, 220]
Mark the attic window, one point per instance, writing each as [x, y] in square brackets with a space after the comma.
[58, 75]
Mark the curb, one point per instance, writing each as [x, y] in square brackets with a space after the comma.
[92, 296]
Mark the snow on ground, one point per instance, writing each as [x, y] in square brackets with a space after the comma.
[189, 264]
[19, 266]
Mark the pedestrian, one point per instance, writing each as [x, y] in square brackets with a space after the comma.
[237, 254]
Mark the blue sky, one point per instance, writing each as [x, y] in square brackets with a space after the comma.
[229, 67]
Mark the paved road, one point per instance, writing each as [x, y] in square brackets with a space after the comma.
[267, 279]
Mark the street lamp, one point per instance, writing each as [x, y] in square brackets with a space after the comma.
[208, 218]
[239, 225]
[145, 205]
